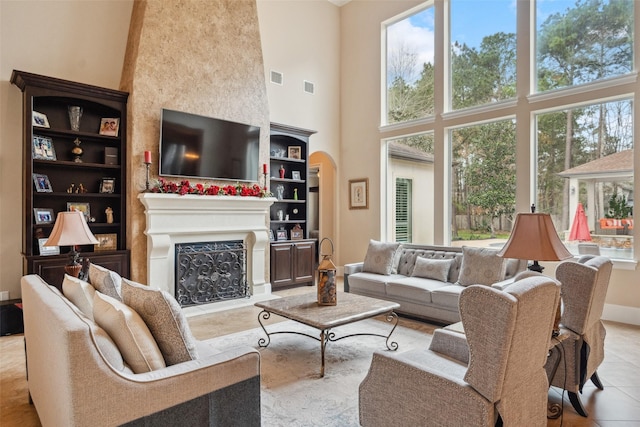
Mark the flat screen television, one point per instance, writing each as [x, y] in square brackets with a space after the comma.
[195, 146]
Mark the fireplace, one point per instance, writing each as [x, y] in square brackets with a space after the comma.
[173, 220]
[210, 272]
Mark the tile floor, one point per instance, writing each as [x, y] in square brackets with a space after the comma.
[618, 405]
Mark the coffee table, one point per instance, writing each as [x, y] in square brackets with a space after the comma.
[349, 309]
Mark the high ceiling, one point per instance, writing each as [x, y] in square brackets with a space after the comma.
[339, 2]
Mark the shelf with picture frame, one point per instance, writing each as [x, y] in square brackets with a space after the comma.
[74, 161]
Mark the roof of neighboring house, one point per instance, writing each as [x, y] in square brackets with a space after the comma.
[615, 165]
[401, 151]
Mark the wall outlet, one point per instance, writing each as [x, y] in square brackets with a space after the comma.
[4, 295]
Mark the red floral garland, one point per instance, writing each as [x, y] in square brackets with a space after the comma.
[185, 187]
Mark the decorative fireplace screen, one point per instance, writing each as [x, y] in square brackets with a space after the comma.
[210, 272]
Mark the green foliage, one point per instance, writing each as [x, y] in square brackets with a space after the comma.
[618, 207]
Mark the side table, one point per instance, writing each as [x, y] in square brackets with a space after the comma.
[554, 410]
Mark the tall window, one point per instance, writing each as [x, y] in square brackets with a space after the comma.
[403, 210]
[409, 67]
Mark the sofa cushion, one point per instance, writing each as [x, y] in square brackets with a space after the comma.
[129, 332]
[370, 283]
[106, 281]
[165, 319]
[80, 293]
[437, 269]
[380, 257]
[414, 289]
[447, 296]
[480, 266]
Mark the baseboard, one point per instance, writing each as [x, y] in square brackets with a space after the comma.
[622, 314]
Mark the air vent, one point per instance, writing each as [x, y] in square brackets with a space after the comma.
[309, 87]
[276, 77]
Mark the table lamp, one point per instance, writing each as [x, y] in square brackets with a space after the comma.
[535, 238]
[71, 229]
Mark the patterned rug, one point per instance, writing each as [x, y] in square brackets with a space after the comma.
[294, 394]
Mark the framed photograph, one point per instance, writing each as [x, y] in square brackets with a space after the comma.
[107, 185]
[281, 234]
[82, 207]
[43, 216]
[109, 126]
[272, 237]
[40, 120]
[297, 232]
[295, 152]
[43, 148]
[47, 250]
[42, 183]
[295, 175]
[106, 242]
[359, 193]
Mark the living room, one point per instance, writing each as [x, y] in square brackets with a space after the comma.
[316, 41]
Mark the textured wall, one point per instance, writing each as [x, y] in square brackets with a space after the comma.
[201, 57]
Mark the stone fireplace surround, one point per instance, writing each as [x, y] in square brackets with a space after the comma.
[171, 219]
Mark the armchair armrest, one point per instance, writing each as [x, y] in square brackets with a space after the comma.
[450, 343]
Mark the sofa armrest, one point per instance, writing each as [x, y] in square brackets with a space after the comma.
[352, 268]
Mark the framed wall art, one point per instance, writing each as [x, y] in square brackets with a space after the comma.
[359, 193]
[42, 183]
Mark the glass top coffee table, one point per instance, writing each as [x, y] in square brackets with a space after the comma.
[349, 309]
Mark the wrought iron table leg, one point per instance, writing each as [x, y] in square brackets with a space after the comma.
[264, 315]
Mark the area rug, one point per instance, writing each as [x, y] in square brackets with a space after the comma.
[294, 394]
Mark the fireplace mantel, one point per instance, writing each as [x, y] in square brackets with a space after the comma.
[172, 219]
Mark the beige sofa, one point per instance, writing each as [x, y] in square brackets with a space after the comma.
[429, 294]
[76, 375]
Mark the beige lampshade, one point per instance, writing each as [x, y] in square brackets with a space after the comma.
[534, 237]
[71, 229]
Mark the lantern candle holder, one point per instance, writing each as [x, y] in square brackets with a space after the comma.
[327, 292]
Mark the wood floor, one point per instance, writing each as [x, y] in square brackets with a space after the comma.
[618, 405]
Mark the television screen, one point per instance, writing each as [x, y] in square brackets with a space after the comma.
[205, 147]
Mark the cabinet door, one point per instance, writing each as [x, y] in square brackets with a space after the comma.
[304, 265]
[282, 259]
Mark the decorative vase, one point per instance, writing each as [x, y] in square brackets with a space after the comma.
[75, 113]
[281, 171]
[77, 151]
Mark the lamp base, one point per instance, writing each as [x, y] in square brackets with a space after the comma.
[535, 267]
[73, 269]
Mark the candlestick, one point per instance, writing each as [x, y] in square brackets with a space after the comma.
[147, 156]
[147, 162]
[264, 168]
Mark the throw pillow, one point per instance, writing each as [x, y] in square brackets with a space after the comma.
[80, 293]
[429, 268]
[129, 332]
[480, 266]
[165, 319]
[379, 258]
[106, 281]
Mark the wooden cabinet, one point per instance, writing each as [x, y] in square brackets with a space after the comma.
[293, 263]
[66, 168]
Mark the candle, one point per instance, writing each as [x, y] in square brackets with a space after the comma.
[147, 156]
[264, 168]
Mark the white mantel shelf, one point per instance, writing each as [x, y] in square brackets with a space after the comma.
[172, 218]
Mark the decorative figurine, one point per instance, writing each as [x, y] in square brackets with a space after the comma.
[295, 194]
[282, 171]
[109, 213]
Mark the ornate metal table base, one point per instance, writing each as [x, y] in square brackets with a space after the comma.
[326, 335]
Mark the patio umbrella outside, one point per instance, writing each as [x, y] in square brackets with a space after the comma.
[580, 228]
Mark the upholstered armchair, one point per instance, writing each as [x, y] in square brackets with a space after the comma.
[584, 288]
[507, 340]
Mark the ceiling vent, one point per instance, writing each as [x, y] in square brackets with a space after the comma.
[277, 77]
[309, 87]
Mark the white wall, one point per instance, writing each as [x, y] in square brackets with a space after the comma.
[77, 40]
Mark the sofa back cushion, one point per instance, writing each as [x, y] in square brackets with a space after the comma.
[481, 266]
[80, 293]
[380, 257]
[409, 255]
[164, 318]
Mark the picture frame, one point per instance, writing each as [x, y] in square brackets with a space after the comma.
[42, 183]
[82, 207]
[39, 120]
[272, 236]
[107, 185]
[47, 250]
[106, 242]
[294, 152]
[281, 235]
[42, 148]
[297, 233]
[43, 216]
[109, 126]
[359, 193]
[295, 175]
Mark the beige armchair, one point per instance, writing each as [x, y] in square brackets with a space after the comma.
[508, 335]
[584, 288]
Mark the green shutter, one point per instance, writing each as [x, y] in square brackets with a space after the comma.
[403, 210]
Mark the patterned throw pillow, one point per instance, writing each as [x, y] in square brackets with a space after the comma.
[129, 332]
[481, 266]
[165, 319]
[429, 268]
[380, 257]
[106, 281]
[80, 293]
